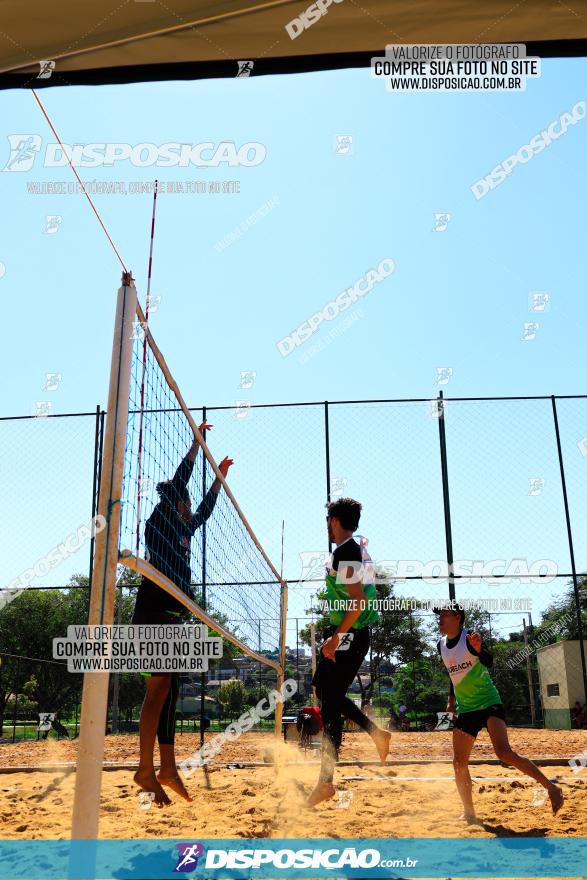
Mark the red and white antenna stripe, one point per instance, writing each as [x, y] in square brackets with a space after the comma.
[145, 368]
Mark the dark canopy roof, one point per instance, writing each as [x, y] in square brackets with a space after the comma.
[109, 41]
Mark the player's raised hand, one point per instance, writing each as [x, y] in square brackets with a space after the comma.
[474, 639]
[224, 465]
[223, 468]
[193, 451]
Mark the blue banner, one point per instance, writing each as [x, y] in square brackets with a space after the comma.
[318, 858]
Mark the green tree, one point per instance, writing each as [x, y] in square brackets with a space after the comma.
[422, 685]
[511, 681]
[254, 694]
[560, 617]
[28, 626]
[26, 706]
[231, 696]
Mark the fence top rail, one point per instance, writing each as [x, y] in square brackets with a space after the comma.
[404, 400]
[49, 416]
[319, 403]
[310, 582]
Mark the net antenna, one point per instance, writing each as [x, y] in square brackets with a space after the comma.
[246, 598]
[147, 304]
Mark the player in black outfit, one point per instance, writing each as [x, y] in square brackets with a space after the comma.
[168, 534]
[346, 643]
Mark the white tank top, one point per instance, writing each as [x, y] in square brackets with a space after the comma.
[474, 688]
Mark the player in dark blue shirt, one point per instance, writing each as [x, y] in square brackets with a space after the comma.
[168, 534]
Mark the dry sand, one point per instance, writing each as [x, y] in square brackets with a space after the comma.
[267, 801]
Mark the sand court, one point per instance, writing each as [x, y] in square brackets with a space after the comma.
[411, 796]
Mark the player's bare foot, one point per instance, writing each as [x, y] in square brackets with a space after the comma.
[147, 780]
[381, 738]
[470, 818]
[175, 783]
[556, 798]
[323, 792]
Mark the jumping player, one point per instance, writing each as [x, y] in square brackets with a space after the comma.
[168, 534]
[478, 705]
[350, 587]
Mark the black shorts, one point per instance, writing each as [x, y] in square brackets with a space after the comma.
[154, 605]
[472, 722]
[145, 615]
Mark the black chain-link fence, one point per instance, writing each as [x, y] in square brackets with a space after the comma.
[481, 499]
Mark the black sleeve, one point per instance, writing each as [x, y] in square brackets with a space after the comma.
[346, 553]
[204, 510]
[486, 657]
[182, 475]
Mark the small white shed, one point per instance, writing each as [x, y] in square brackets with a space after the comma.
[561, 681]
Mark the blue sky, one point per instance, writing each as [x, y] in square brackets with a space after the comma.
[458, 298]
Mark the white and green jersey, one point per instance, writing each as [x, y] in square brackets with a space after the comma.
[351, 552]
[472, 683]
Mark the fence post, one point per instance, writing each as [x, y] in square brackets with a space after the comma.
[327, 442]
[571, 548]
[297, 660]
[94, 490]
[282, 652]
[14, 714]
[535, 679]
[313, 650]
[446, 498]
[414, 670]
[529, 674]
[259, 665]
[203, 597]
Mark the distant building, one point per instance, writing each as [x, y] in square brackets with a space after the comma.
[561, 681]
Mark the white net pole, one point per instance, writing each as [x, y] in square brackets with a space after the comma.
[88, 777]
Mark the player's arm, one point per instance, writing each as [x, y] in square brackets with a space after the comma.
[223, 468]
[476, 647]
[193, 450]
[206, 506]
[183, 473]
[357, 602]
[450, 703]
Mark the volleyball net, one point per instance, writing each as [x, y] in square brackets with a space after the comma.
[222, 574]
